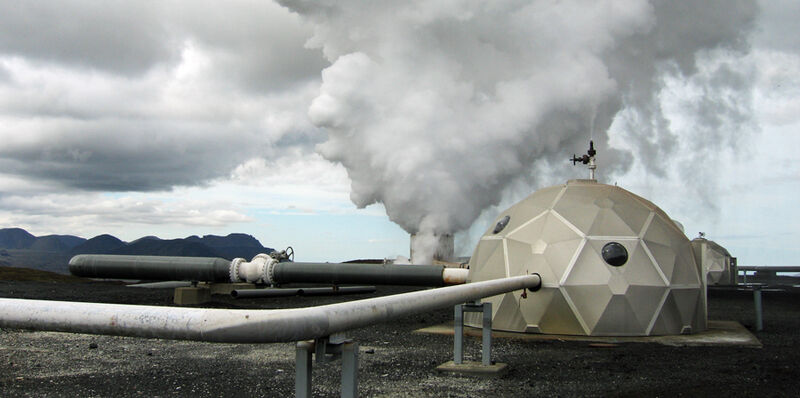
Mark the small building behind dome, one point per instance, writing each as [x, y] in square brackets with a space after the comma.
[612, 264]
[716, 262]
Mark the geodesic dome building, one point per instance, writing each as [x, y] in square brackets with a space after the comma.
[612, 264]
[716, 262]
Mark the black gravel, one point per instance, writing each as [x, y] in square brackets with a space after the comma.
[393, 361]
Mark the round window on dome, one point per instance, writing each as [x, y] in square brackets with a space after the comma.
[615, 254]
[501, 224]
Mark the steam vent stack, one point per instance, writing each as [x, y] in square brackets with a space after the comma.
[612, 264]
[442, 252]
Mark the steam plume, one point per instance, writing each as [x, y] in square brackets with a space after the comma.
[435, 108]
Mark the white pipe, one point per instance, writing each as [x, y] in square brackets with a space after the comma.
[454, 276]
[242, 326]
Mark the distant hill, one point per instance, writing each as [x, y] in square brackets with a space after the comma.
[229, 247]
[15, 238]
[174, 247]
[49, 244]
[233, 245]
[69, 241]
[18, 238]
[100, 244]
[56, 243]
[148, 237]
[52, 252]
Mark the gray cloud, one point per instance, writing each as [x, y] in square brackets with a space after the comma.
[115, 36]
[777, 28]
[130, 96]
[259, 45]
[138, 157]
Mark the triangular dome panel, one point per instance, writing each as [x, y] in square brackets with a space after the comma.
[686, 302]
[645, 302]
[629, 209]
[508, 315]
[664, 257]
[488, 262]
[588, 269]
[527, 209]
[535, 305]
[618, 319]
[607, 222]
[590, 301]
[559, 317]
[641, 271]
[530, 232]
[522, 261]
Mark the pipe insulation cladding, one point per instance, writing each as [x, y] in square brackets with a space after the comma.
[262, 269]
[163, 268]
[379, 274]
[242, 326]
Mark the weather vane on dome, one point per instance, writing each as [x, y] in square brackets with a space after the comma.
[587, 159]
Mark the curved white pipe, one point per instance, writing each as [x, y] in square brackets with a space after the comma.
[242, 326]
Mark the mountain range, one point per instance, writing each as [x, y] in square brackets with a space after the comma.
[19, 248]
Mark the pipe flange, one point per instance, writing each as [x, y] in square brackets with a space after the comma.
[270, 274]
[234, 270]
[262, 271]
[265, 265]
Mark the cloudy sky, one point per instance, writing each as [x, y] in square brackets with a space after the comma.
[335, 127]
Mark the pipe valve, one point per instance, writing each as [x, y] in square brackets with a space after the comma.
[588, 158]
[259, 270]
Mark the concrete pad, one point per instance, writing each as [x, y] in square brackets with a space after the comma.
[719, 333]
[192, 295]
[227, 288]
[470, 368]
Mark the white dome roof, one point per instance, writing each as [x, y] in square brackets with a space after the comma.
[560, 233]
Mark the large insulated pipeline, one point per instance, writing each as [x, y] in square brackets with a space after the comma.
[262, 269]
[157, 268]
[242, 326]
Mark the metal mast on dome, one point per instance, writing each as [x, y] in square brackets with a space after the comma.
[588, 158]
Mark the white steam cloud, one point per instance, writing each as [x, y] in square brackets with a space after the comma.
[436, 108]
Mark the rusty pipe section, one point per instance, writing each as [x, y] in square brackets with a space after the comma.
[261, 269]
[242, 326]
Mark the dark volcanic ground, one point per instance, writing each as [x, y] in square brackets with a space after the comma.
[393, 361]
